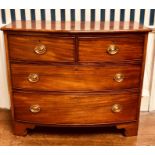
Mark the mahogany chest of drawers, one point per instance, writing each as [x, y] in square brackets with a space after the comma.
[75, 74]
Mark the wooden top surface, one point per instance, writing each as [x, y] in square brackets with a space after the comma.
[75, 27]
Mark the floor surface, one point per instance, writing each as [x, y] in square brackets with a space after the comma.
[44, 136]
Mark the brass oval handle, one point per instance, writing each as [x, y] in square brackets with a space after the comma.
[119, 77]
[40, 49]
[112, 49]
[33, 77]
[35, 108]
[116, 108]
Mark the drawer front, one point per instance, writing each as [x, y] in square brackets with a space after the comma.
[75, 108]
[75, 78]
[111, 49]
[40, 48]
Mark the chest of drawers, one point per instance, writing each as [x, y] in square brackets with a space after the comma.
[75, 74]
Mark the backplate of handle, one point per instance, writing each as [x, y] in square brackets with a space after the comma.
[116, 108]
[112, 49]
[40, 49]
[33, 77]
[35, 108]
[119, 77]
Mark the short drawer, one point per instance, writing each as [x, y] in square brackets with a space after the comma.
[111, 49]
[39, 48]
[74, 109]
[75, 78]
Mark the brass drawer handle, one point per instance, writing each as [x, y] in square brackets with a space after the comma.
[112, 49]
[116, 108]
[33, 77]
[40, 49]
[35, 108]
[119, 77]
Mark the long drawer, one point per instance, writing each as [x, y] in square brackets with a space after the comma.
[76, 108]
[111, 48]
[40, 48]
[75, 78]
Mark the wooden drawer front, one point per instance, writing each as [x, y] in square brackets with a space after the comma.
[74, 108]
[95, 49]
[74, 78]
[57, 49]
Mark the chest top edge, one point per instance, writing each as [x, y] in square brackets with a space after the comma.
[75, 27]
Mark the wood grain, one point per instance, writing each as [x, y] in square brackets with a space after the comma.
[9, 79]
[74, 108]
[94, 49]
[59, 49]
[130, 129]
[20, 129]
[74, 78]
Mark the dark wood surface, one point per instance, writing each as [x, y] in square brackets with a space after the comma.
[59, 49]
[76, 61]
[75, 78]
[94, 49]
[74, 109]
[77, 27]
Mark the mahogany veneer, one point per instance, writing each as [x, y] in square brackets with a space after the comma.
[75, 73]
[56, 53]
[74, 78]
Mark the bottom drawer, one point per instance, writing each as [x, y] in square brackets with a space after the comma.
[75, 109]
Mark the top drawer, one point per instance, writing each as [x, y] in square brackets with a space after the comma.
[39, 48]
[111, 48]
